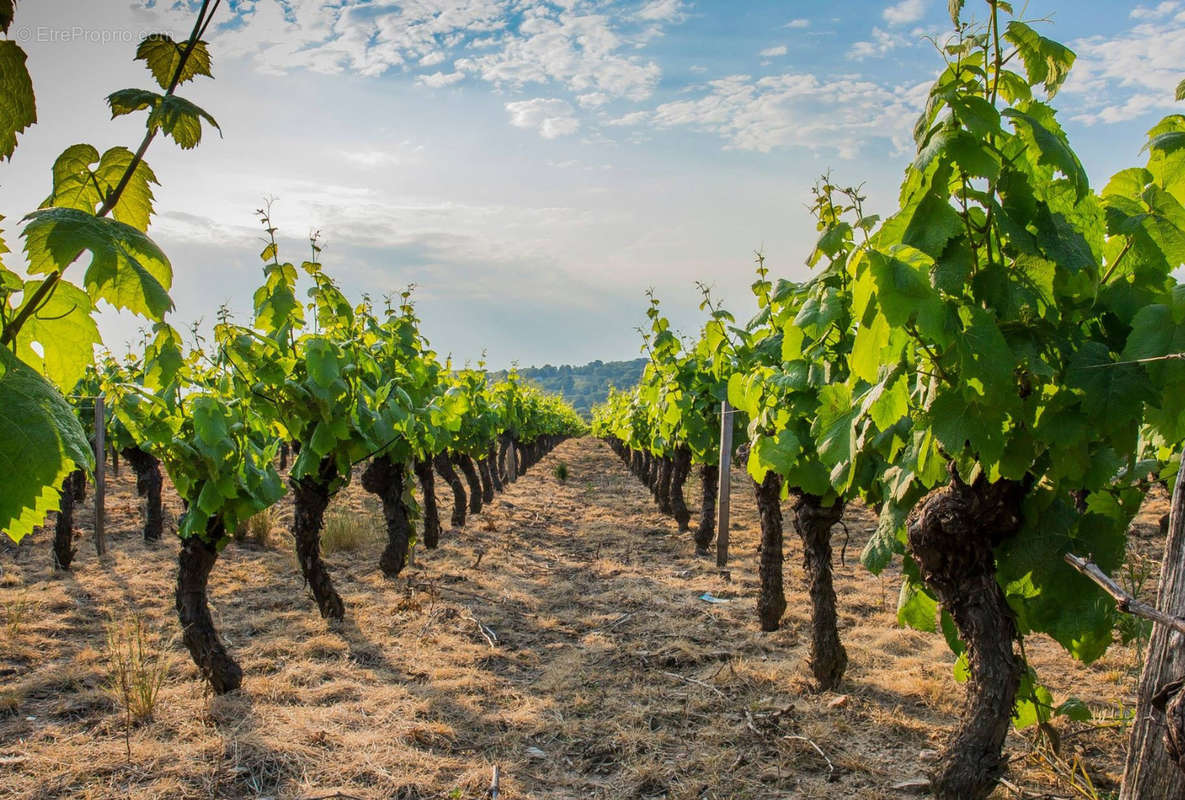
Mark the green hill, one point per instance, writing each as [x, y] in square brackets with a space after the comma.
[582, 386]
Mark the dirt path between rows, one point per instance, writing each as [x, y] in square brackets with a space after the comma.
[560, 636]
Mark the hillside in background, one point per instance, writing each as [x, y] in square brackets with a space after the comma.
[586, 385]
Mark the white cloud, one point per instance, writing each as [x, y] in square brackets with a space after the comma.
[800, 110]
[633, 118]
[593, 99]
[798, 23]
[1155, 12]
[1131, 73]
[438, 79]
[551, 117]
[565, 43]
[661, 11]
[770, 52]
[882, 43]
[905, 12]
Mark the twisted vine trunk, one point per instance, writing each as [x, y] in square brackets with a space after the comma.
[466, 465]
[665, 468]
[73, 491]
[195, 561]
[520, 457]
[424, 474]
[310, 497]
[487, 482]
[1156, 744]
[813, 523]
[385, 478]
[445, 468]
[709, 484]
[652, 475]
[952, 536]
[148, 486]
[284, 452]
[679, 472]
[771, 604]
[494, 467]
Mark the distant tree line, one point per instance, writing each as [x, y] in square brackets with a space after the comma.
[582, 386]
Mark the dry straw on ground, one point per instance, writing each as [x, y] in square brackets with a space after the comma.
[559, 636]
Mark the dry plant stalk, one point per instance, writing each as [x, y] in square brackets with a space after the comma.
[138, 664]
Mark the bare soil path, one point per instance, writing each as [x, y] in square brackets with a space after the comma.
[561, 636]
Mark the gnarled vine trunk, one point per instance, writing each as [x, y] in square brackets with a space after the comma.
[424, 474]
[385, 478]
[771, 604]
[487, 482]
[952, 535]
[148, 485]
[665, 468]
[73, 491]
[494, 467]
[709, 484]
[679, 471]
[466, 465]
[310, 497]
[813, 523]
[195, 561]
[445, 468]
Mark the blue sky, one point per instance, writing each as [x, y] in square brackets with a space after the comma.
[534, 166]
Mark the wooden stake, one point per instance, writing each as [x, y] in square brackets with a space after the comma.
[1150, 771]
[494, 781]
[100, 475]
[725, 484]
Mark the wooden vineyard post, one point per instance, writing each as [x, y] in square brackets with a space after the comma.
[1150, 770]
[100, 475]
[725, 484]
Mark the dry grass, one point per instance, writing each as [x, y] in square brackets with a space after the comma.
[347, 532]
[560, 635]
[257, 529]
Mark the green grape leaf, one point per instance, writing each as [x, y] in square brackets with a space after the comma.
[64, 331]
[181, 120]
[127, 269]
[916, 608]
[128, 101]
[175, 116]
[18, 108]
[1181, 91]
[1052, 149]
[163, 56]
[41, 442]
[1046, 62]
[79, 187]
[886, 540]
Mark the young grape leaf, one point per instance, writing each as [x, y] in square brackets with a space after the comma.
[182, 120]
[127, 270]
[1181, 90]
[41, 442]
[176, 116]
[162, 56]
[19, 107]
[77, 186]
[65, 332]
[1052, 150]
[1046, 61]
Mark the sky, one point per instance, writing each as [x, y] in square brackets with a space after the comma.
[534, 167]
